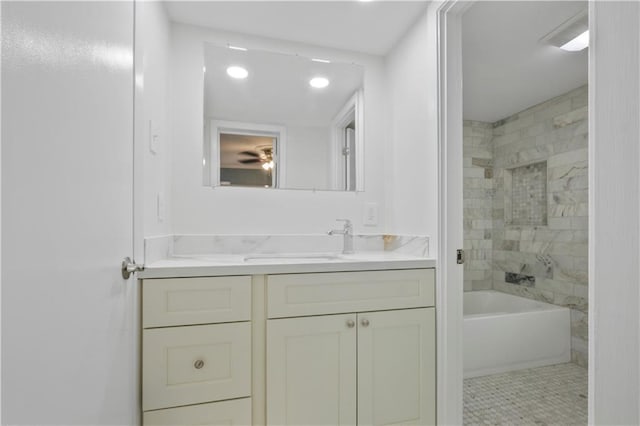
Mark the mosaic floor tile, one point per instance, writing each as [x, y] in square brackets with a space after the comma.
[554, 395]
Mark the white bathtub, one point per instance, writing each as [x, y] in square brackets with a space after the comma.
[504, 333]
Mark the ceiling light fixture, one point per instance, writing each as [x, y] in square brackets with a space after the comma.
[572, 35]
[237, 72]
[578, 43]
[324, 61]
[243, 49]
[319, 82]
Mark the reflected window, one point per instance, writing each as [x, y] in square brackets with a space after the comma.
[247, 160]
[247, 154]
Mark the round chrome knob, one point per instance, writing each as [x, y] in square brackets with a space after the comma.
[365, 322]
[351, 323]
[198, 364]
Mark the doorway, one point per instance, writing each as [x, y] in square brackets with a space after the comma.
[525, 198]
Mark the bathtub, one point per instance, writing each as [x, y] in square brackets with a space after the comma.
[504, 333]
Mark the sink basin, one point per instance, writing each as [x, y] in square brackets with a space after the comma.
[291, 257]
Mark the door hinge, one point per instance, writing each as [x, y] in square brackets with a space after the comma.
[460, 256]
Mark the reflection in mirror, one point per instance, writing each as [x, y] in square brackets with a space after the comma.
[282, 121]
[247, 160]
[247, 153]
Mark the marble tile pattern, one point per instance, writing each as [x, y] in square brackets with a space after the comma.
[164, 247]
[478, 207]
[157, 248]
[553, 395]
[555, 132]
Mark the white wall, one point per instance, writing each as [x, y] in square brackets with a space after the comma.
[307, 160]
[153, 42]
[412, 190]
[202, 210]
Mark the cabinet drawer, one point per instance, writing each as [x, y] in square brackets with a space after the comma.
[234, 412]
[195, 364]
[337, 292]
[185, 301]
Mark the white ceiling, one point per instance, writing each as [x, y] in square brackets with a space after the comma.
[370, 27]
[506, 68]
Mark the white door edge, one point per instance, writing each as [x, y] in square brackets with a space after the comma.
[449, 282]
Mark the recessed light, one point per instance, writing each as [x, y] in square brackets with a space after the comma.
[324, 61]
[578, 43]
[243, 49]
[204, 69]
[237, 72]
[319, 82]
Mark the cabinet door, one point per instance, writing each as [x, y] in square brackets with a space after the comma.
[311, 370]
[396, 367]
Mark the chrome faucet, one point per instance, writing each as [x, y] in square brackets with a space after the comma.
[347, 232]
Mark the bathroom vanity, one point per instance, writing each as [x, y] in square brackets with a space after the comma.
[289, 340]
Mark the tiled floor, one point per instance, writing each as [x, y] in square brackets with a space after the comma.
[554, 395]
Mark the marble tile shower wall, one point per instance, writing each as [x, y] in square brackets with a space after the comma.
[545, 258]
[478, 204]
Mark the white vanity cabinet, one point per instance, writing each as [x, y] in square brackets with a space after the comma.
[330, 348]
[196, 349]
[373, 365]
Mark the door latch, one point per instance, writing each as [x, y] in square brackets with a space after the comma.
[460, 256]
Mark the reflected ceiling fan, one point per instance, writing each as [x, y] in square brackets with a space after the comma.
[262, 155]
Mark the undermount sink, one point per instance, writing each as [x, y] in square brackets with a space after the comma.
[292, 257]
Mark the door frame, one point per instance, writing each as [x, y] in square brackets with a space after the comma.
[450, 321]
[450, 226]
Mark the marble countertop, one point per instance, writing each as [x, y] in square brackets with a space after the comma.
[281, 263]
[216, 255]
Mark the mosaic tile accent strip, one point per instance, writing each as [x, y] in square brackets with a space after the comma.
[553, 395]
[528, 195]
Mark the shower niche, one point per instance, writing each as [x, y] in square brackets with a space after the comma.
[526, 195]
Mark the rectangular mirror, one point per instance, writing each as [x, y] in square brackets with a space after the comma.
[275, 120]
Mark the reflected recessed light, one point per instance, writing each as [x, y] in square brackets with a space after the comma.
[237, 72]
[578, 43]
[319, 82]
[204, 69]
[324, 61]
[243, 49]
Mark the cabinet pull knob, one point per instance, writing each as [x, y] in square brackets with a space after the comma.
[365, 322]
[198, 364]
[351, 323]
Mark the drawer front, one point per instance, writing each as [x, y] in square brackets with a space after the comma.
[186, 301]
[328, 293]
[235, 412]
[195, 364]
